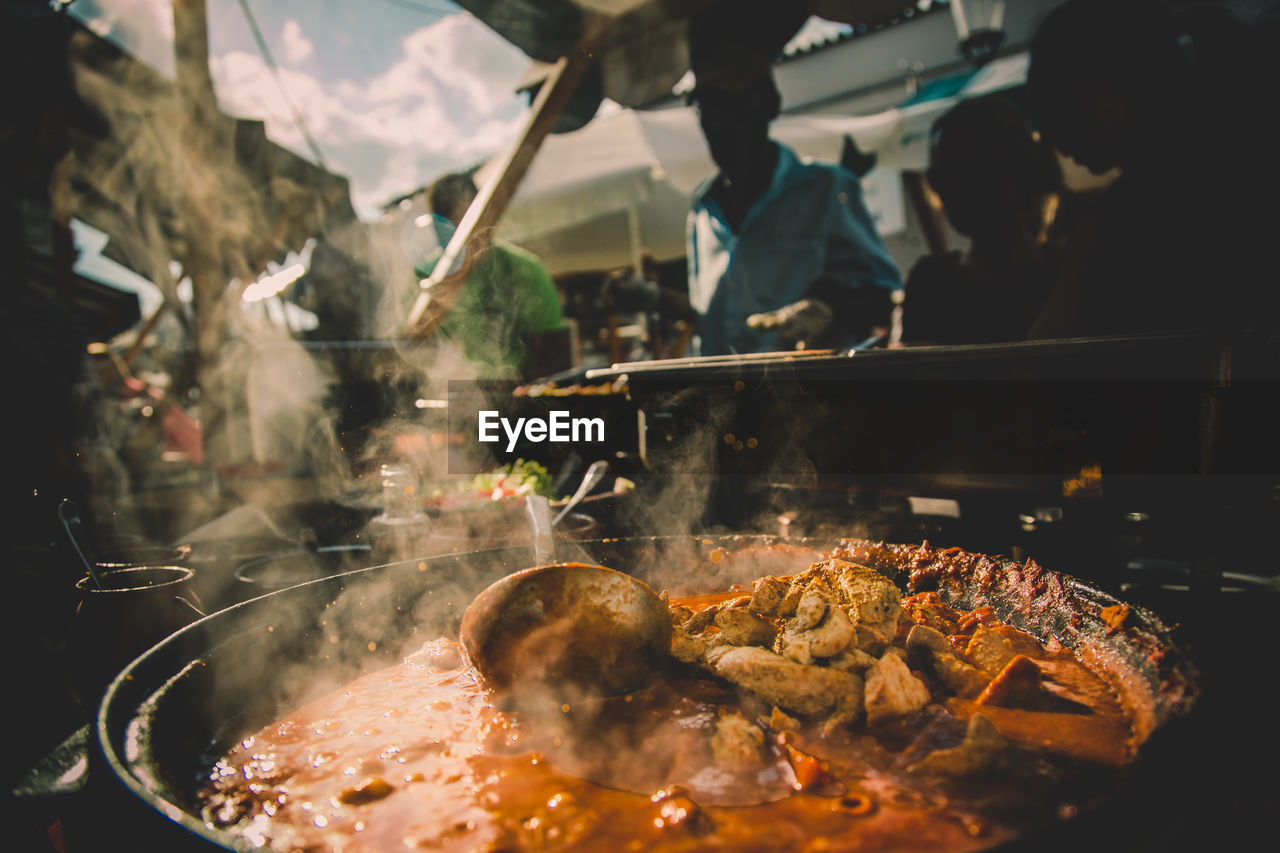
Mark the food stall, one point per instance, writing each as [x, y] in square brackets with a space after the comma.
[1106, 500]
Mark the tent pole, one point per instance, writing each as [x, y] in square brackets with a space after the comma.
[633, 229]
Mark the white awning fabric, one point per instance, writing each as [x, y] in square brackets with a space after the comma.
[596, 196]
[576, 205]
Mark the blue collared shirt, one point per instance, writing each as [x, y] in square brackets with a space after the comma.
[810, 221]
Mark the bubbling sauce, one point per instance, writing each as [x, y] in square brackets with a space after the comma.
[418, 756]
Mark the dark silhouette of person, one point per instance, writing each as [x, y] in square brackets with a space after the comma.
[1176, 243]
[782, 251]
[999, 186]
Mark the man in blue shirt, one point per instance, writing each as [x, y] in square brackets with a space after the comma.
[782, 252]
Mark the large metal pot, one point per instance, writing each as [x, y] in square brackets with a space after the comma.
[174, 710]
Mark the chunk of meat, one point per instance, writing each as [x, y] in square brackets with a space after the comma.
[833, 635]
[926, 639]
[781, 721]
[686, 647]
[702, 619]
[698, 622]
[926, 608]
[1022, 684]
[819, 629]
[852, 660]
[874, 639]
[811, 609]
[794, 645]
[737, 741]
[767, 595]
[806, 581]
[1018, 685]
[794, 687]
[871, 600]
[988, 650]
[1115, 616]
[957, 676]
[741, 627]
[984, 615]
[929, 650]
[1021, 642]
[1101, 738]
[892, 691]
[877, 598]
[981, 751]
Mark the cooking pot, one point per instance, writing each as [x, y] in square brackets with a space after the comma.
[215, 562]
[298, 565]
[509, 525]
[133, 609]
[172, 712]
[136, 555]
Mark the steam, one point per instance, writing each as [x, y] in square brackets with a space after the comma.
[171, 191]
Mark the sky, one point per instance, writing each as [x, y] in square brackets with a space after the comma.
[394, 93]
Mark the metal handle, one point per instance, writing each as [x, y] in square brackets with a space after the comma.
[69, 514]
[594, 475]
[544, 543]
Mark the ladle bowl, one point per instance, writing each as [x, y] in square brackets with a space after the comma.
[567, 631]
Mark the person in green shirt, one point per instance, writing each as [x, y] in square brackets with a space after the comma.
[507, 317]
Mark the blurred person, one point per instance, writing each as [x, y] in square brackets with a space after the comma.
[1177, 240]
[507, 317]
[783, 252]
[999, 186]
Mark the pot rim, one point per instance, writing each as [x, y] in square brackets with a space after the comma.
[182, 575]
[166, 556]
[114, 751]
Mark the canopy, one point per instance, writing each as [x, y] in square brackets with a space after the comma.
[593, 198]
[645, 48]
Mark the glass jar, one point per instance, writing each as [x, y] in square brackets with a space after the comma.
[399, 531]
[400, 498]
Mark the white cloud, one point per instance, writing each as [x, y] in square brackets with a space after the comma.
[297, 47]
[445, 103]
[458, 57]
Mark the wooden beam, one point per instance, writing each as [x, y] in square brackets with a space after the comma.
[474, 231]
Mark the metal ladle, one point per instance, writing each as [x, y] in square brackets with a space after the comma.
[566, 631]
[577, 645]
[69, 515]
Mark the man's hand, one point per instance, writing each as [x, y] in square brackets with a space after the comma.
[796, 324]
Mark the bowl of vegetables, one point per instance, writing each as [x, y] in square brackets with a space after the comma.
[509, 484]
